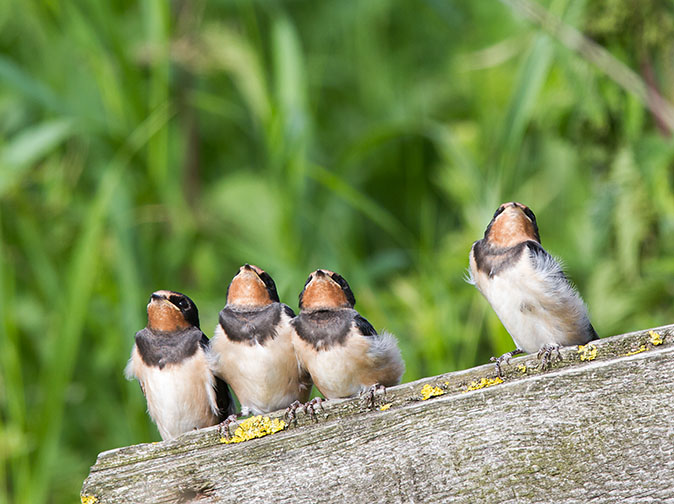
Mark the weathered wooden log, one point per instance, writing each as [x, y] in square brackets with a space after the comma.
[597, 426]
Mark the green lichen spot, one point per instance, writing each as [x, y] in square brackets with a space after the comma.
[255, 427]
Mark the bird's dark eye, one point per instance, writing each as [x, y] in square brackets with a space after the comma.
[180, 302]
[187, 308]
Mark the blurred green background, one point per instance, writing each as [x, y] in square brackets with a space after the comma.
[159, 145]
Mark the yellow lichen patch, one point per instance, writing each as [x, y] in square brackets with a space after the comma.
[88, 499]
[587, 352]
[255, 427]
[642, 348]
[655, 338]
[483, 383]
[428, 391]
[384, 407]
[522, 368]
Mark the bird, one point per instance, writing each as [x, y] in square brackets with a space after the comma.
[170, 360]
[527, 287]
[341, 350]
[252, 347]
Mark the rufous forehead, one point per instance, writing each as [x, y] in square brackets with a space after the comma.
[247, 288]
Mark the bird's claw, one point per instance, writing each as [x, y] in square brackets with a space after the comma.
[309, 408]
[223, 427]
[371, 395]
[545, 354]
[290, 414]
[505, 358]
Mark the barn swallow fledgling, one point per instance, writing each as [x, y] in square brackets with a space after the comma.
[526, 286]
[252, 347]
[170, 360]
[341, 350]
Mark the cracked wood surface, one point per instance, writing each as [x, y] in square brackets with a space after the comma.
[596, 427]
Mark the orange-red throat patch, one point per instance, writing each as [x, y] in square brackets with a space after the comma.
[247, 288]
[512, 226]
[162, 315]
[323, 292]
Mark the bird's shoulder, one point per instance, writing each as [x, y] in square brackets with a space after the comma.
[543, 262]
[363, 326]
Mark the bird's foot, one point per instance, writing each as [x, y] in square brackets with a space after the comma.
[309, 408]
[223, 427]
[371, 394]
[290, 414]
[505, 358]
[545, 354]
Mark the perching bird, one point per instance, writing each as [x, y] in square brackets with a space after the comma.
[341, 350]
[526, 286]
[170, 360]
[252, 347]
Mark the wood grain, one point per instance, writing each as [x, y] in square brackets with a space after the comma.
[584, 431]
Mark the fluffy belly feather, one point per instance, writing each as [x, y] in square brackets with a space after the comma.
[342, 370]
[264, 378]
[533, 309]
[178, 396]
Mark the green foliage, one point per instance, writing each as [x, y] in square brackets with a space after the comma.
[647, 25]
[162, 145]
